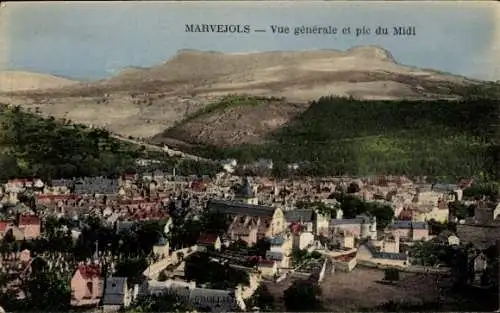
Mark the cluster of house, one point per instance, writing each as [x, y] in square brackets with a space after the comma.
[21, 227]
[258, 209]
[346, 241]
[114, 293]
[341, 238]
[130, 198]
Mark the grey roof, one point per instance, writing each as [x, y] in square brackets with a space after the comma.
[161, 242]
[239, 208]
[346, 221]
[391, 256]
[299, 215]
[274, 255]
[400, 224]
[444, 187]
[100, 185]
[62, 182]
[277, 241]
[424, 187]
[114, 292]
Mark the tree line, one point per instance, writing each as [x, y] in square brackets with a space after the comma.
[343, 136]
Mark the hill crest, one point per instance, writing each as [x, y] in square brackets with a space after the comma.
[143, 102]
[14, 80]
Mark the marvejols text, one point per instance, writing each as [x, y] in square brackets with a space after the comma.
[217, 28]
[356, 31]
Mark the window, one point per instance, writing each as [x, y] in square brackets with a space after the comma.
[90, 287]
[89, 291]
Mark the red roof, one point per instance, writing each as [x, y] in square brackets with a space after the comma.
[346, 257]
[29, 220]
[267, 183]
[18, 181]
[89, 271]
[261, 261]
[3, 225]
[296, 227]
[265, 262]
[138, 201]
[56, 197]
[406, 215]
[207, 239]
[465, 183]
[198, 185]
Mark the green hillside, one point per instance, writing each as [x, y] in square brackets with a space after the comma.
[443, 139]
[34, 146]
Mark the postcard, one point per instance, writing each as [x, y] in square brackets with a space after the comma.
[350, 144]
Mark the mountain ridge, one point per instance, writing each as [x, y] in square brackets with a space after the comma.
[143, 102]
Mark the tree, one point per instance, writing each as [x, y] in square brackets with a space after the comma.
[180, 255]
[353, 188]
[215, 223]
[490, 190]
[4, 280]
[48, 291]
[8, 237]
[184, 233]
[263, 299]
[132, 269]
[428, 253]
[261, 247]
[459, 209]
[148, 234]
[302, 296]
[201, 269]
[436, 228]
[318, 206]
[299, 256]
[238, 245]
[279, 170]
[351, 205]
[383, 213]
[162, 276]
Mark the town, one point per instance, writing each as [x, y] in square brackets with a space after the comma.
[158, 241]
[259, 157]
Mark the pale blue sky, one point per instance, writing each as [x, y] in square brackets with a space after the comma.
[93, 41]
